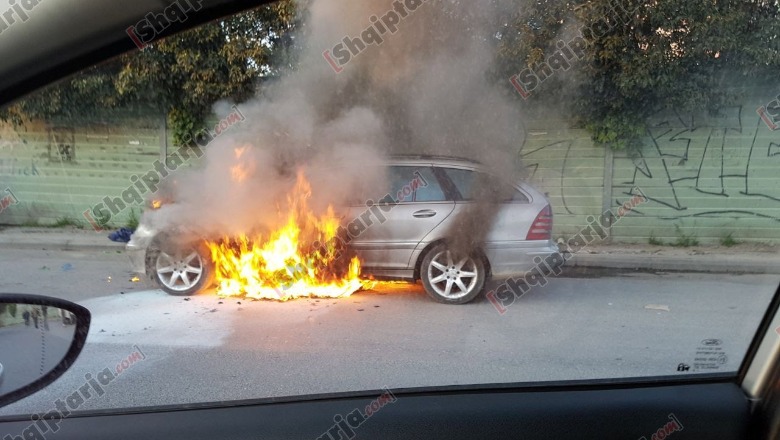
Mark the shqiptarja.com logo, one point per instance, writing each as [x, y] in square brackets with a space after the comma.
[7, 198]
[770, 113]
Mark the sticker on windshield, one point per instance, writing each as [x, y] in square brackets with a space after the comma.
[710, 355]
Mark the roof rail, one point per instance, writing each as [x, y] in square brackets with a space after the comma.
[432, 157]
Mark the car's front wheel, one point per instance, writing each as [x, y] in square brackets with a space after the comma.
[180, 269]
[452, 279]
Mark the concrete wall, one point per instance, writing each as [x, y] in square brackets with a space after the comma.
[718, 176]
[704, 176]
[54, 173]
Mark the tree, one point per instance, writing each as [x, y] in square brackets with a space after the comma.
[181, 76]
[645, 55]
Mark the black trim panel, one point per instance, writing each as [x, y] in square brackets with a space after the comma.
[704, 411]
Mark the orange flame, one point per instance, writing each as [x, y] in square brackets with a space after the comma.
[287, 263]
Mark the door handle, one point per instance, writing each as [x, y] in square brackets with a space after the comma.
[424, 213]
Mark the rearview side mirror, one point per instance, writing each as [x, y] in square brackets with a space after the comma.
[40, 338]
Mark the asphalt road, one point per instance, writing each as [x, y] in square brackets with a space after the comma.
[205, 349]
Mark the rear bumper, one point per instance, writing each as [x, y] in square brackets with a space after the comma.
[517, 257]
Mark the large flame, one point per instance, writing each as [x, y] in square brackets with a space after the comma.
[297, 260]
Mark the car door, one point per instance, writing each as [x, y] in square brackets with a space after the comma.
[387, 234]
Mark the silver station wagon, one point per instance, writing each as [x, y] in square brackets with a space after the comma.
[410, 237]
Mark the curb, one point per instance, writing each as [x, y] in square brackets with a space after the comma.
[66, 245]
[718, 263]
[62, 239]
[61, 247]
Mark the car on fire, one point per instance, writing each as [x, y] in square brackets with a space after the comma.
[407, 239]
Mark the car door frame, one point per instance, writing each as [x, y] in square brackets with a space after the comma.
[369, 250]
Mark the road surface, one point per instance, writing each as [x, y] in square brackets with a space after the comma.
[206, 349]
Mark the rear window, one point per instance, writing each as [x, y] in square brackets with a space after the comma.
[464, 183]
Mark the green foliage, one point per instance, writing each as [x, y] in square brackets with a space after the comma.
[10, 308]
[88, 95]
[667, 53]
[63, 222]
[728, 240]
[655, 241]
[181, 76]
[132, 221]
[685, 240]
[60, 222]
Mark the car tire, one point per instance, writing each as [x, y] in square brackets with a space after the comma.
[179, 269]
[449, 281]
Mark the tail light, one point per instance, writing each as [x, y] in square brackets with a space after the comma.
[541, 229]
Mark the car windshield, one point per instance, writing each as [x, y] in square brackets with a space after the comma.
[307, 198]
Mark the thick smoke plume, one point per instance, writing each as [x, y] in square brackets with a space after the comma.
[426, 89]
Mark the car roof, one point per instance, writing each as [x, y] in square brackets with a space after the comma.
[438, 160]
[457, 162]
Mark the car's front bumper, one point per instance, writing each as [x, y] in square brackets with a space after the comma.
[136, 248]
[137, 258]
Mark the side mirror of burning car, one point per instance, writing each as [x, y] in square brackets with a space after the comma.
[40, 338]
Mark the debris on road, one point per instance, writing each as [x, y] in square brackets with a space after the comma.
[657, 307]
[121, 236]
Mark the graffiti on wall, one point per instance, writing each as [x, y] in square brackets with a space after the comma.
[708, 167]
[563, 150]
[692, 166]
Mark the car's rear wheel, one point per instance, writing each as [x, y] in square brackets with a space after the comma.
[452, 279]
[180, 269]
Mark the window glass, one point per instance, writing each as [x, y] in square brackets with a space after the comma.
[464, 182]
[415, 184]
[226, 154]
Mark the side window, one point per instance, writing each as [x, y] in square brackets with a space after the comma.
[415, 184]
[464, 182]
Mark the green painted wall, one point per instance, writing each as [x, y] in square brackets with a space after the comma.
[708, 176]
[704, 176]
[57, 173]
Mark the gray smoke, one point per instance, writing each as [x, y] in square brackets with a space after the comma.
[425, 90]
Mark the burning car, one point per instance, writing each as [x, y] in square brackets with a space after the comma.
[412, 233]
